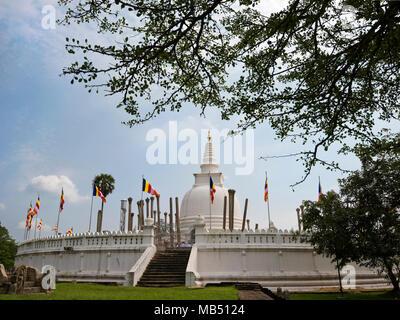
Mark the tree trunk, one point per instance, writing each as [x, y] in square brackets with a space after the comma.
[340, 278]
[392, 277]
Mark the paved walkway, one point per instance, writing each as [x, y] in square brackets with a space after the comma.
[253, 295]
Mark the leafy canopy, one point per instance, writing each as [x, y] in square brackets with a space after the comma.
[318, 72]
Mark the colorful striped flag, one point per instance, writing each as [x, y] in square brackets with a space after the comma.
[28, 216]
[37, 206]
[266, 190]
[97, 193]
[55, 228]
[146, 187]
[40, 225]
[62, 201]
[319, 191]
[212, 189]
[69, 231]
[30, 222]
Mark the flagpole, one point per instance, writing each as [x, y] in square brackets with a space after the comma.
[58, 218]
[34, 235]
[269, 217]
[37, 213]
[209, 181]
[91, 208]
[142, 187]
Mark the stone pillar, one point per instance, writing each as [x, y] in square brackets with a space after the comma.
[178, 228]
[244, 215]
[248, 224]
[298, 218]
[99, 220]
[130, 214]
[171, 224]
[165, 221]
[231, 193]
[224, 219]
[158, 221]
[147, 208]
[301, 216]
[256, 226]
[148, 231]
[151, 208]
[122, 216]
[139, 217]
[142, 215]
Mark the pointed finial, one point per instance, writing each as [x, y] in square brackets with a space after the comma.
[209, 136]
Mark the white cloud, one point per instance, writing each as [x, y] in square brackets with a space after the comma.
[54, 184]
[2, 206]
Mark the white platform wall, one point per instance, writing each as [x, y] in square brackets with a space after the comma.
[273, 259]
[94, 257]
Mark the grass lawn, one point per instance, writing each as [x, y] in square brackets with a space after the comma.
[373, 295]
[87, 291]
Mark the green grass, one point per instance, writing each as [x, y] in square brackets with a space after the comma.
[86, 291]
[373, 295]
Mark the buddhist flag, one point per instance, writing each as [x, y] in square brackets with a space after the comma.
[37, 206]
[69, 231]
[28, 216]
[55, 228]
[97, 193]
[30, 222]
[62, 200]
[146, 187]
[319, 191]
[40, 225]
[266, 190]
[212, 189]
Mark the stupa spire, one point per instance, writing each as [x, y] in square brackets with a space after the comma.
[209, 163]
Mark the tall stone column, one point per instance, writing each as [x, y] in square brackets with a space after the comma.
[244, 215]
[165, 221]
[298, 218]
[151, 208]
[224, 218]
[248, 224]
[122, 216]
[139, 216]
[99, 220]
[130, 214]
[178, 228]
[158, 221]
[231, 194]
[171, 224]
[147, 208]
[301, 216]
[142, 215]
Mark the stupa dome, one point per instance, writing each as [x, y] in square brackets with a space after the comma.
[197, 201]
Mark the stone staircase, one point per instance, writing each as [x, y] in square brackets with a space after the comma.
[166, 269]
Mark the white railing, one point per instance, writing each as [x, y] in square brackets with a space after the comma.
[136, 272]
[249, 237]
[88, 241]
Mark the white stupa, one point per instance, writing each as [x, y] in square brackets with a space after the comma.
[197, 200]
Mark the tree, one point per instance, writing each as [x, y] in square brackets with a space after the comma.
[8, 248]
[362, 224]
[315, 75]
[328, 223]
[374, 194]
[105, 183]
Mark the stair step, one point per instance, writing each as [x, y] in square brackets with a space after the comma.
[166, 269]
[32, 290]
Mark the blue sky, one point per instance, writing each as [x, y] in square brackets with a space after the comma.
[53, 133]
